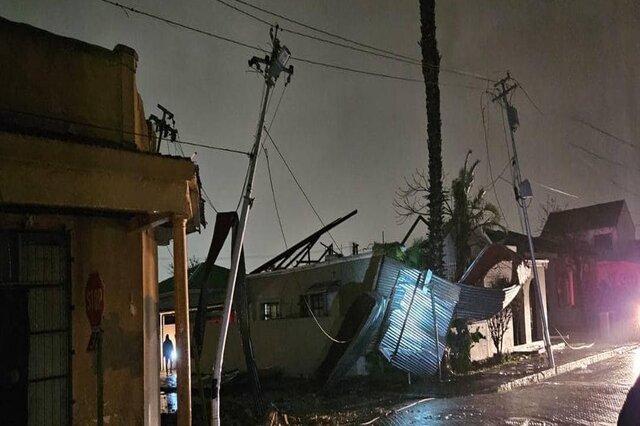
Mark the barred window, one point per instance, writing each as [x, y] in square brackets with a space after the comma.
[270, 310]
[316, 302]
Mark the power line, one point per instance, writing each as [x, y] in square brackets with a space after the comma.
[376, 52]
[613, 181]
[206, 196]
[493, 181]
[266, 155]
[119, 131]
[294, 58]
[602, 158]
[604, 132]
[275, 202]
[593, 127]
[309, 27]
[181, 25]
[583, 122]
[295, 179]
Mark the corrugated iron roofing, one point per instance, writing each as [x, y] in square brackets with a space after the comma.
[420, 310]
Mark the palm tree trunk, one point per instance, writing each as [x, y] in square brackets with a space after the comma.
[430, 72]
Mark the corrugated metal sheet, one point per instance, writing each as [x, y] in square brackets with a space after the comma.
[478, 303]
[420, 310]
[360, 342]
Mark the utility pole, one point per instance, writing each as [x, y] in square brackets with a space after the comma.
[522, 190]
[163, 128]
[273, 66]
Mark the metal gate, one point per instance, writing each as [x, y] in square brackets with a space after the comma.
[35, 287]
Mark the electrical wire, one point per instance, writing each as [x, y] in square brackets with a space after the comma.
[373, 50]
[120, 131]
[604, 132]
[309, 27]
[587, 346]
[181, 25]
[275, 202]
[513, 167]
[613, 181]
[295, 179]
[293, 58]
[246, 176]
[493, 181]
[376, 52]
[266, 155]
[206, 197]
[313, 315]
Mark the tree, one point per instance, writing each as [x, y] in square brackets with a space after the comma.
[468, 214]
[499, 324]
[465, 214]
[430, 71]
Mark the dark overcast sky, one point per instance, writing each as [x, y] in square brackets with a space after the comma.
[351, 138]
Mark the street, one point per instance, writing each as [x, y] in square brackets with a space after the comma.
[593, 395]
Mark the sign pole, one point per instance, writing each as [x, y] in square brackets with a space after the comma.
[94, 306]
[100, 379]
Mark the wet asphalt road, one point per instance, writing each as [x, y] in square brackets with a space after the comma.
[593, 395]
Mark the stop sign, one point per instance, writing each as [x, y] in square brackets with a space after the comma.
[94, 299]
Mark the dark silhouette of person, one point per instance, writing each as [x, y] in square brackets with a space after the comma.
[167, 354]
[630, 413]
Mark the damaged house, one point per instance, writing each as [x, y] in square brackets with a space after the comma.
[318, 319]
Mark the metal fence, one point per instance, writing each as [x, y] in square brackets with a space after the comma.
[36, 305]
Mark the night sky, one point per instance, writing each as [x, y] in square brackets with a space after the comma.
[350, 138]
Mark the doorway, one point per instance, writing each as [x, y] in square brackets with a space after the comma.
[35, 323]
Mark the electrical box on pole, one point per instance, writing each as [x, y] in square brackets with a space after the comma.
[523, 192]
[270, 67]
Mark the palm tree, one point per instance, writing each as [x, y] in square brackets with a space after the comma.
[468, 214]
[430, 71]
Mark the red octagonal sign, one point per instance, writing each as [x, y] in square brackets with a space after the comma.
[94, 299]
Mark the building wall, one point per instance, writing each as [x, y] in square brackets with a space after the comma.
[525, 315]
[485, 348]
[292, 345]
[126, 265]
[62, 78]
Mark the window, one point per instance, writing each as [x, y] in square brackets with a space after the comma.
[316, 302]
[270, 310]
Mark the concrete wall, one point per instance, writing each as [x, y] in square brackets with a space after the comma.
[127, 267]
[293, 345]
[62, 78]
[485, 348]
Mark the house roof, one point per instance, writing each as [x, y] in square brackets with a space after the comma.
[597, 216]
[511, 238]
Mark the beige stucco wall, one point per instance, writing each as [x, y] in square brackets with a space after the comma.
[59, 77]
[126, 263]
[485, 348]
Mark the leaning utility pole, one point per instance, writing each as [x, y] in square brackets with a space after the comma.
[273, 66]
[522, 190]
[430, 72]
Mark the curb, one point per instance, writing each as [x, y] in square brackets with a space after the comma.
[564, 368]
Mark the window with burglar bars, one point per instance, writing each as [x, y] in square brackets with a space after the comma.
[270, 310]
[316, 302]
[35, 319]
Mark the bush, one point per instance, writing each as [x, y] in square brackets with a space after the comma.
[460, 341]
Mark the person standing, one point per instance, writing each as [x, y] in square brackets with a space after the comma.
[167, 354]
